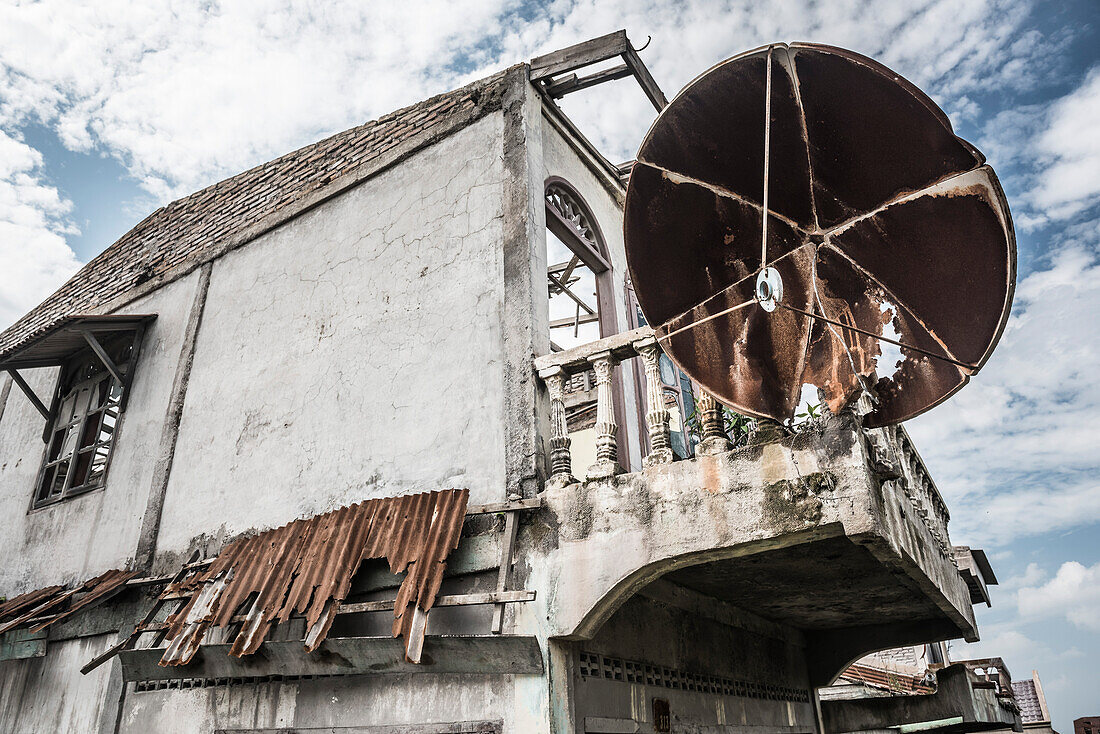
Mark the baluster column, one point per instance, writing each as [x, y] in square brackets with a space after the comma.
[656, 417]
[561, 462]
[712, 426]
[606, 446]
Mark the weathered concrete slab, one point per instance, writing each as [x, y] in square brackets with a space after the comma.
[779, 530]
[516, 655]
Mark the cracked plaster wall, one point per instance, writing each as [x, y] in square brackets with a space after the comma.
[76, 539]
[354, 352]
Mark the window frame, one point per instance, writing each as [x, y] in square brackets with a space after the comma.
[69, 384]
[589, 245]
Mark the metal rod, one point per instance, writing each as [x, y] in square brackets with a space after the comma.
[767, 160]
[18, 378]
[693, 324]
[903, 345]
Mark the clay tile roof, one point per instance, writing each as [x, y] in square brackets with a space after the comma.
[1027, 698]
[177, 237]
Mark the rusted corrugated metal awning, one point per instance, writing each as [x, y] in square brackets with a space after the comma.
[306, 568]
[886, 679]
[43, 604]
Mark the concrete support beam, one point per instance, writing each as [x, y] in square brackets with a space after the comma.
[150, 524]
[500, 654]
[525, 314]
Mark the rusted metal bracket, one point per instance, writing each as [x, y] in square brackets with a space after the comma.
[18, 379]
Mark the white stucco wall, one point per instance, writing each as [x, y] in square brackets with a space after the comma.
[49, 694]
[354, 352]
[78, 538]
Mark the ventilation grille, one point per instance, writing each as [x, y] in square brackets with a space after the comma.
[629, 671]
[183, 683]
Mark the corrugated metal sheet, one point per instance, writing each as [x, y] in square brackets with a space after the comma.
[43, 602]
[19, 604]
[885, 679]
[306, 567]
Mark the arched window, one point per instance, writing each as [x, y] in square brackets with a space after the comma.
[582, 309]
[578, 270]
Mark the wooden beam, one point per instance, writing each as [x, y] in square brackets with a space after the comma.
[488, 654]
[558, 88]
[488, 509]
[565, 289]
[504, 574]
[103, 356]
[587, 318]
[645, 79]
[579, 55]
[454, 600]
[18, 379]
[387, 605]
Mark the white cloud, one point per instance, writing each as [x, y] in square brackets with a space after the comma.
[1073, 592]
[951, 50]
[1015, 451]
[184, 94]
[33, 222]
[1000, 640]
[1070, 148]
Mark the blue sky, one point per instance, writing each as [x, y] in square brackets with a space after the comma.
[111, 109]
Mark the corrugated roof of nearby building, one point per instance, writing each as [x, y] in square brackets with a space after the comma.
[885, 679]
[181, 235]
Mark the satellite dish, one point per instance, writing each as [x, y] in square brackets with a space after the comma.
[887, 259]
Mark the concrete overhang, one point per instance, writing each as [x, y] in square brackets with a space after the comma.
[976, 572]
[799, 531]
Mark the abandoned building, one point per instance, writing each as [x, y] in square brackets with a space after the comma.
[374, 438]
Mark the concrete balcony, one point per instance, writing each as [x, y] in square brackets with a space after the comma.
[962, 702]
[834, 535]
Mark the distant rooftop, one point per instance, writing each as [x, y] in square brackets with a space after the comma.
[1027, 698]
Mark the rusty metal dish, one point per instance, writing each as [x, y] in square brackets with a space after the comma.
[883, 228]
